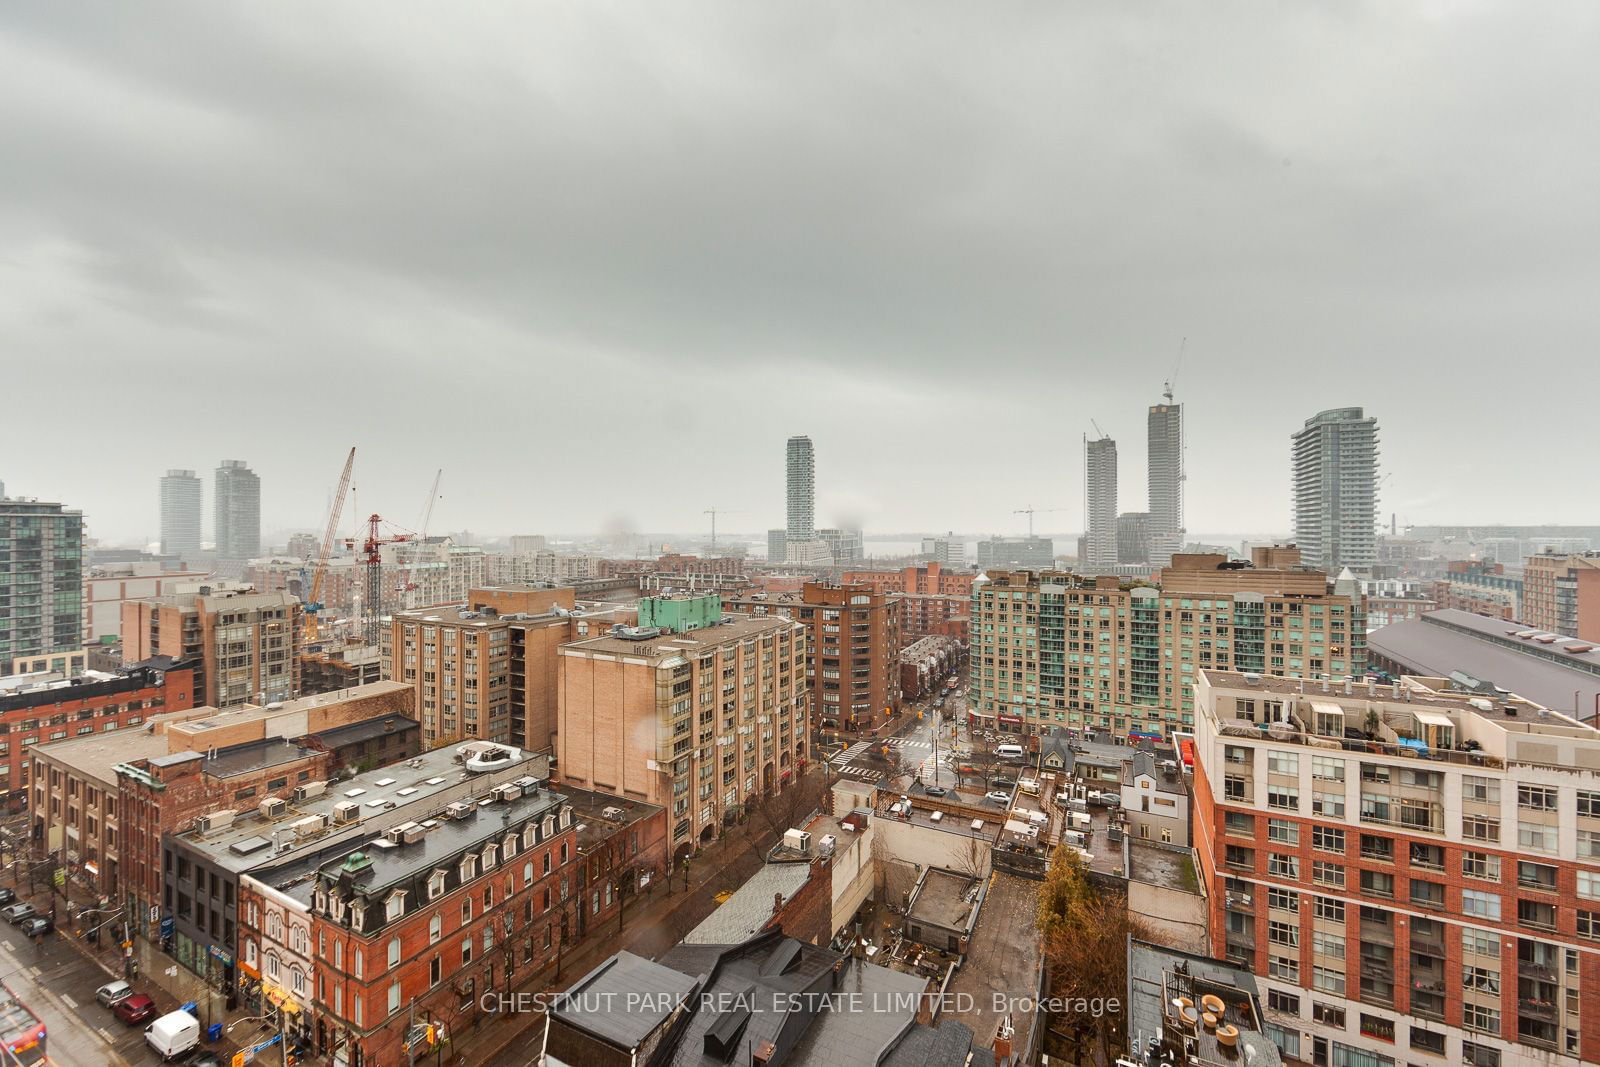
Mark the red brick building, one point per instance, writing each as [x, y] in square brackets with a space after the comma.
[41, 712]
[933, 600]
[854, 663]
[1481, 588]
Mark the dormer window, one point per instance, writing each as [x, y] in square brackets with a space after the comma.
[338, 909]
[508, 847]
[322, 904]
[549, 826]
[466, 871]
[529, 836]
[566, 817]
[395, 906]
[435, 884]
[488, 857]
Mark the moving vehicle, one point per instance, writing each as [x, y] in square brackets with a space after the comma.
[7, 895]
[134, 1009]
[112, 992]
[17, 912]
[22, 1033]
[1008, 752]
[173, 1034]
[35, 926]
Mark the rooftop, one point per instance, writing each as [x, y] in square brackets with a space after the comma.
[732, 628]
[623, 1000]
[1552, 673]
[253, 756]
[96, 756]
[420, 784]
[600, 815]
[944, 898]
[1159, 976]
[1002, 955]
[356, 732]
[747, 911]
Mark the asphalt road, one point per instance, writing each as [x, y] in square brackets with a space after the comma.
[58, 984]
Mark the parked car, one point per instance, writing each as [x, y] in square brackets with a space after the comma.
[998, 796]
[35, 926]
[7, 895]
[134, 1009]
[934, 791]
[112, 992]
[17, 912]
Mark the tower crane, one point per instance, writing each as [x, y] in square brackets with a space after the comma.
[372, 565]
[1098, 430]
[314, 600]
[427, 512]
[714, 512]
[1030, 511]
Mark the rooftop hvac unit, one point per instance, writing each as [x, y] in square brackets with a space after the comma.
[414, 833]
[611, 813]
[528, 784]
[346, 811]
[397, 834]
[507, 792]
[798, 840]
[826, 846]
[310, 826]
[272, 807]
[458, 810]
[215, 821]
[309, 790]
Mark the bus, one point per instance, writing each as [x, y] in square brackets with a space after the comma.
[20, 1029]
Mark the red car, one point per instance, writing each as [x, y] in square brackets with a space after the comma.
[135, 1009]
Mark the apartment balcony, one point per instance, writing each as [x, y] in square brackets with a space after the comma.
[1377, 933]
[1543, 1010]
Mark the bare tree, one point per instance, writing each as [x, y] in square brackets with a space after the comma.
[973, 858]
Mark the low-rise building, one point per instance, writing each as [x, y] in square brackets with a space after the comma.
[1155, 799]
[925, 664]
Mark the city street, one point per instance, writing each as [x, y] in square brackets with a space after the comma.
[912, 746]
[57, 982]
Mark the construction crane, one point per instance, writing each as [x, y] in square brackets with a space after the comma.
[1166, 386]
[319, 576]
[1030, 511]
[427, 511]
[372, 562]
[714, 512]
[1098, 430]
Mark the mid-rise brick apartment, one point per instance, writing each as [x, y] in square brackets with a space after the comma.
[700, 721]
[103, 802]
[933, 598]
[39, 710]
[245, 644]
[1561, 594]
[1054, 649]
[854, 664]
[1481, 588]
[487, 667]
[1412, 872]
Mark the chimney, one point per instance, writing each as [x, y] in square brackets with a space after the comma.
[777, 903]
[762, 1055]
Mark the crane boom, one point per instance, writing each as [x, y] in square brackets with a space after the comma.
[433, 494]
[314, 603]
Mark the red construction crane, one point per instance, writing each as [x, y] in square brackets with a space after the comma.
[372, 560]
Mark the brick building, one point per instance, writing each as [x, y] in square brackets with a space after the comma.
[1058, 649]
[854, 665]
[1481, 588]
[700, 722]
[925, 664]
[245, 645]
[1561, 594]
[1410, 870]
[105, 589]
[36, 711]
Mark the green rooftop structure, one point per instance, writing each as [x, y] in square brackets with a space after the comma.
[678, 613]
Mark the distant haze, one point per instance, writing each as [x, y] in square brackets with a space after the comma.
[598, 261]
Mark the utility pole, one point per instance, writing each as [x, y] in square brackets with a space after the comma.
[411, 1021]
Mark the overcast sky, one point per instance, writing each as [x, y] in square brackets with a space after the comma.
[599, 261]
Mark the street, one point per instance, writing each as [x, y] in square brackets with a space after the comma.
[57, 982]
[912, 747]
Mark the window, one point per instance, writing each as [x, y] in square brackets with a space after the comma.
[434, 970]
[1284, 967]
[1283, 762]
[1327, 839]
[1589, 924]
[466, 911]
[1480, 828]
[1327, 768]
[1375, 1026]
[1239, 824]
[1326, 944]
[527, 874]
[1475, 1055]
[1478, 1017]
[1588, 803]
[356, 967]
[1480, 790]
[1328, 1014]
[1283, 797]
[1480, 865]
[1283, 832]
[1328, 805]
[1536, 913]
[394, 997]
[1374, 847]
[1427, 894]
[1429, 857]
[1481, 905]
[394, 952]
[435, 929]
[1536, 836]
[1283, 899]
[1282, 866]
[1279, 1001]
[1325, 873]
[435, 884]
[466, 868]
[1328, 980]
[1536, 876]
[1480, 942]
[1329, 909]
[1428, 1041]
[466, 951]
[394, 906]
[1288, 1041]
[1377, 883]
[1536, 797]
[1589, 884]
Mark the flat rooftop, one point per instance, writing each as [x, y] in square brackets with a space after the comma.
[254, 756]
[96, 756]
[732, 628]
[1168, 867]
[1002, 956]
[594, 825]
[1409, 694]
[945, 899]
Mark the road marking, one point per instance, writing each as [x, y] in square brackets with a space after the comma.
[67, 999]
[35, 971]
[105, 1035]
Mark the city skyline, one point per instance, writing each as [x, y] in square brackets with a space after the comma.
[1017, 245]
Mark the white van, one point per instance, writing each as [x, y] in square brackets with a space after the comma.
[1008, 751]
[173, 1034]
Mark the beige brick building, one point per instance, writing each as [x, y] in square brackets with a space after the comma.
[699, 721]
[246, 643]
